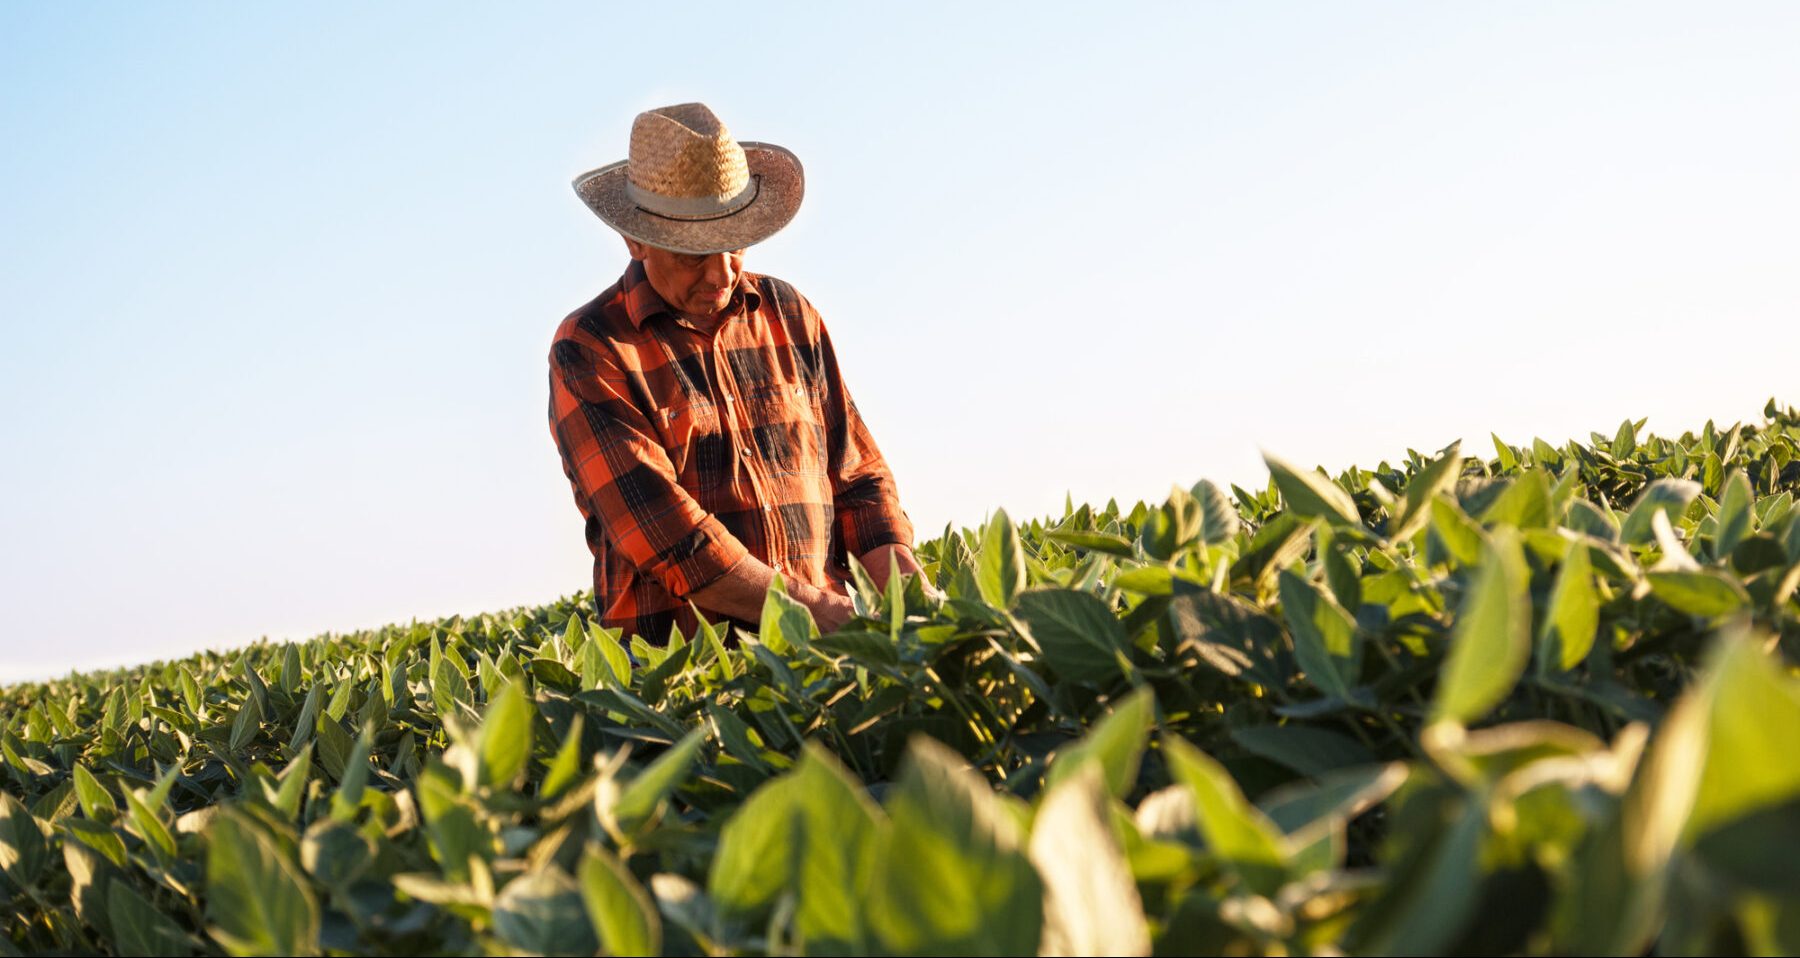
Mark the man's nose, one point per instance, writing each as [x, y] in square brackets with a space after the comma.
[718, 269]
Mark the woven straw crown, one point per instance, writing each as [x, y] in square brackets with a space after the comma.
[685, 152]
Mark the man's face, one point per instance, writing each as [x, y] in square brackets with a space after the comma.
[699, 286]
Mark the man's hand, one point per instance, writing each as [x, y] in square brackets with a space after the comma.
[741, 592]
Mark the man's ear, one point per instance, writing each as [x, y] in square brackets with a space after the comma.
[636, 248]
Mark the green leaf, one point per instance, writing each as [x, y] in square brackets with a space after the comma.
[1218, 517]
[293, 784]
[1325, 638]
[248, 721]
[1305, 749]
[1459, 534]
[565, 768]
[1116, 742]
[504, 744]
[1000, 568]
[622, 912]
[1705, 593]
[1307, 493]
[1491, 640]
[1752, 709]
[542, 912]
[24, 851]
[640, 797]
[139, 927]
[1670, 496]
[1236, 832]
[1105, 542]
[348, 797]
[1568, 631]
[786, 624]
[1524, 504]
[956, 879]
[258, 903]
[1081, 638]
[1735, 513]
[1338, 795]
[335, 853]
[1091, 902]
[145, 822]
[813, 831]
[96, 802]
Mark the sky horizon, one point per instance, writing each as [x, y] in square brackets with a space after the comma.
[279, 284]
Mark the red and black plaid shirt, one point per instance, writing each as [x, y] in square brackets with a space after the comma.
[687, 449]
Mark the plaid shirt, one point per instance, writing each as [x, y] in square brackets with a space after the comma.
[689, 449]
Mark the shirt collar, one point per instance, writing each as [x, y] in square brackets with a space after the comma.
[642, 301]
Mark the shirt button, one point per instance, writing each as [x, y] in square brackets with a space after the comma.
[768, 508]
[730, 399]
[745, 452]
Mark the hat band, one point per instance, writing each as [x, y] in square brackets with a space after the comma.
[693, 208]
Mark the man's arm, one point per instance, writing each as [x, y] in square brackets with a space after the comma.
[741, 592]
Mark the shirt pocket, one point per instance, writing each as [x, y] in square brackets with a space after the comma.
[695, 439]
[789, 429]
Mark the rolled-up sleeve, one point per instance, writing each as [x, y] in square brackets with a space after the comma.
[865, 497]
[623, 477]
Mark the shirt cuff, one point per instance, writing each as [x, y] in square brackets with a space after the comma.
[697, 560]
[873, 525]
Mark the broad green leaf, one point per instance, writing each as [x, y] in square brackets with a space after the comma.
[504, 744]
[1325, 638]
[1491, 640]
[1000, 567]
[1707, 593]
[1341, 794]
[565, 768]
[24, 851]
[1306, 749]
[1307, 493]
[146, 824]
[1568, 631]
[335, 853]
[542, 912]
[248, 721]
[1218, 517]
[1435, 884]
[293, 784]
[257, 901]
[1116, 742]
[786, 624]
[1104, 542]
[1236, 832]
[348, 798]
[813, 831]
[1080, 637]
[640, 796]
[1459, 534]
[1525, 504]
[956, 878]
[1669, 496]
[1734, 516]
[1752, 709]
[139, 927]
[623, 914]
[96, 802]
[1091, 902]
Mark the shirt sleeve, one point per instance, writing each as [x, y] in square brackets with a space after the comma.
[622, 475]
[866, 499]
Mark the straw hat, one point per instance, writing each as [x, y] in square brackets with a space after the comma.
[688, 186]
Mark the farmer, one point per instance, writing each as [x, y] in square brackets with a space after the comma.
[710, 441]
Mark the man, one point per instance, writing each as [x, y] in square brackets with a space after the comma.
[703, 425]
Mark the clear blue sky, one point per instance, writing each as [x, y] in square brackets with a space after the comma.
[278, 282]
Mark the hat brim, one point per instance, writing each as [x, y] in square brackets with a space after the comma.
[780, 184]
